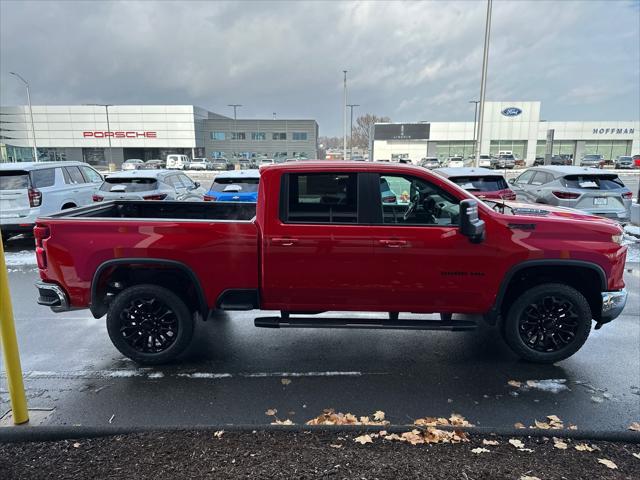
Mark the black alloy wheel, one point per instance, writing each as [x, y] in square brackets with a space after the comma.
[549, 323]
[148, 325]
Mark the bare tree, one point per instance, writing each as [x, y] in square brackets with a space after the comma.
[362, 129]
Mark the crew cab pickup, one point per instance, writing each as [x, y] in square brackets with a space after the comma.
[322, 237]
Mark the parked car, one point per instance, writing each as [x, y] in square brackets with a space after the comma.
[455, 162]
[636, 161]
[266, 161]
[149, 185]
[133, 164]
[507, 161]
[487, 161]
[221, 164]
[200, 164]
[592, 160]
[315, 241]
[31, 189]
[586, 189]
[429, 162]
[538, 161]
[624, 162]
[177, 162]
[236, 186]
[154, 164]
[481, 182]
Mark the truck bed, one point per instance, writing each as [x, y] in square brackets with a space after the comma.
[145, 209]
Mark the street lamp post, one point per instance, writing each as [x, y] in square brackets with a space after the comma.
[483, 81]
[33, 128]
[235, 107]
[344, 119]
[475, 122]
[351, 105]
[106, 111]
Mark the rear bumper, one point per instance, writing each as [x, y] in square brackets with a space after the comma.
[612, 305]
[52, 296]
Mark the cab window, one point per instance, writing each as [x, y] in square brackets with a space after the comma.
[525, 177]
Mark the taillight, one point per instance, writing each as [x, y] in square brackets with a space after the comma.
[97, 198]
[35, 197]
[627, 195]
[389, 199]
[508, 195]
[41, 257]
[566, 195]
[155, 196]
[40, 233]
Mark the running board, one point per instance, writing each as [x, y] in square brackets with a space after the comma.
[370, 323]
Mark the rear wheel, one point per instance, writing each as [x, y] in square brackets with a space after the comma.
[149, 324]
[548, 323]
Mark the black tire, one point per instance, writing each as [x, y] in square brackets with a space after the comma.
[548, 323]
[147, 333]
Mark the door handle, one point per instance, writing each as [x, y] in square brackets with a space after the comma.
[393, 243]
[285, 242]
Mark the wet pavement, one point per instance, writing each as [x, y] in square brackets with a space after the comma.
[234, 372]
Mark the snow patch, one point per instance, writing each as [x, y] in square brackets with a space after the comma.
[552, 385]
[632, 230]
[18, 259]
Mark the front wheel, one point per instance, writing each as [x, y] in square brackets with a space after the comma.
[149, 324]
[548, 323]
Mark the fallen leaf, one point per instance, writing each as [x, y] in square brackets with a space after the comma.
[559, 444]
[285, 381]
[490, 442]
[365, 420]
[516, 443]
[218, 433]
[382, 433]
[514, 383]
[542, 425]
[363, 439]
[271, 412]
[583, 447]
[413, 437]
[637, 455]
[335, 445]
[519, 425]
[607, 463]
[378, 416]
[480, 450]
[76, 445]
[554, 418]
[282, 422]
[459, 421]
[525, 450]
[393, 436]
[635, 426]
[572, 427]
[527, 477]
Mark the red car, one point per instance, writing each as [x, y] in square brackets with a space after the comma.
[321, 238]
[482, 182]
[636, 161]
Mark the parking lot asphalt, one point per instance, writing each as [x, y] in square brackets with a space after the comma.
[234, 372]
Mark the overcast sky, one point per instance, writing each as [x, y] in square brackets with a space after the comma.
[410, 61]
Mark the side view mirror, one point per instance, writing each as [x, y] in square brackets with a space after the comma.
[470, 225]
[512, 181]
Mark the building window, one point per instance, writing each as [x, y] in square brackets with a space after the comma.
[258, 136]
[609, 149]
[299, 135]
[218, 136]
[279, 136]
[462, 149]
[238, 136]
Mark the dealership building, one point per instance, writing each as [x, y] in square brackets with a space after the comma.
[507, 126]
[100, 135]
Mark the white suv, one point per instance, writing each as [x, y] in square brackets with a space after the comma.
[29, 190]
[179, 162]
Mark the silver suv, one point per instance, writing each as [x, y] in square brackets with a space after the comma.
[149, 185]
[586, 189]
[32, 189]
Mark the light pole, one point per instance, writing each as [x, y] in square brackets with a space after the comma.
[483, 81]
[344, 119]
[106, 110]
[33, 128]
[475, 122]
[274, 115]
[351, 105]
[235, 107]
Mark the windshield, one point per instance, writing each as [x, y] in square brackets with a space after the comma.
[593, 182]
[246, 184]
[592, 157]
[129, 184]
[14, 180]
[489, 183]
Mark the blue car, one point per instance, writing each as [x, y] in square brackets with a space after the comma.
[234, 186]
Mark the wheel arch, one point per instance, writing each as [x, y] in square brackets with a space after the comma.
[195, 299]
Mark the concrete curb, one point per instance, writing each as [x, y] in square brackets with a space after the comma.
[63, 432]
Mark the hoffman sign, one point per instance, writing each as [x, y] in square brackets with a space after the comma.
[616, 131]
[120, 134]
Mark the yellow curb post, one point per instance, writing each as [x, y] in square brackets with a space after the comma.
[10, 351]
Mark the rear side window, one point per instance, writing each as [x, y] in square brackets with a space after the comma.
[593, 182]
[541, 178]
[525, 177]
[74, 175]
[43, 178]
[128, 184]
[14, 180]
[91, 175]
[245, 184]
[321, 198]
[481, 184]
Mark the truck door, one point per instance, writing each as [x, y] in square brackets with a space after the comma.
[316, 255]
[423, 263]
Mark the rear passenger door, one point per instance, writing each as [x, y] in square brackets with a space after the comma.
[520, 184]
[536, 190]
[316, 256]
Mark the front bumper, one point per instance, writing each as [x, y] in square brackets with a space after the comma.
[612, 305]
[52, 296]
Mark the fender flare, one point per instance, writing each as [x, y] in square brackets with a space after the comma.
[98, 308]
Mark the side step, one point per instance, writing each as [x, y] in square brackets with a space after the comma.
[370, 323]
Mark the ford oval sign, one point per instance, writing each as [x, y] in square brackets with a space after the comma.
[511, 112]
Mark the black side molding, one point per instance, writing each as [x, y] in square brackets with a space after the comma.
[239, 299]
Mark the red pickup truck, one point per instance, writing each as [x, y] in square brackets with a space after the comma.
[336, 236]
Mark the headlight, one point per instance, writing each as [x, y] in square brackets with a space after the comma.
[617, 238]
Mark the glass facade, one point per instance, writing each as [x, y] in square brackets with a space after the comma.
[609, 149]
[517, 147]
[9, 153]
[258, 136]
[445, 150]
[279, 136]
[299, 135]
[560, 147]
[218, 136]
